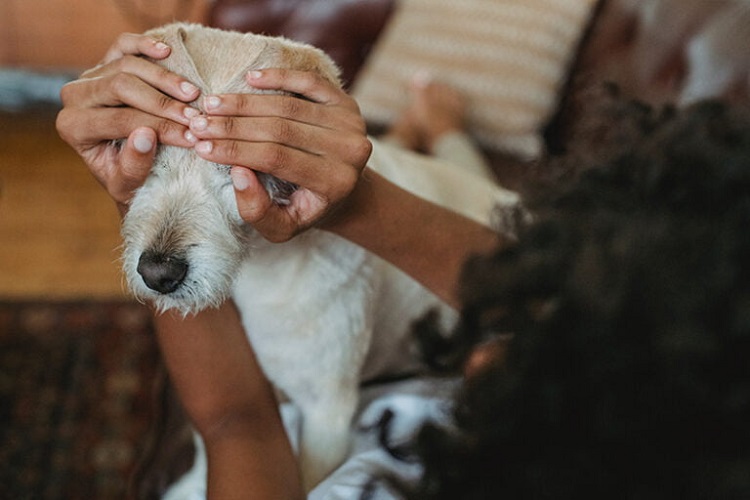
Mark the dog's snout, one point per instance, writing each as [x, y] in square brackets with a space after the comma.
[162, 273]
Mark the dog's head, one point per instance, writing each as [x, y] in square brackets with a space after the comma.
[183, 237]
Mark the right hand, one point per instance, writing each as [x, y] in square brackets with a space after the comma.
[318, 142]
[128, 98]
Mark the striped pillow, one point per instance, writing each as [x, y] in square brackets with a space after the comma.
[509, 57]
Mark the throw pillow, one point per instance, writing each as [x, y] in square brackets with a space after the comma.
[509, 57]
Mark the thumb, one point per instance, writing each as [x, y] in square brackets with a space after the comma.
[253, 202]
[257, 209]
[137, 157]
[134, 164]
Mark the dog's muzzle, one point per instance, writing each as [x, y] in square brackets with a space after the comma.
[162, 273]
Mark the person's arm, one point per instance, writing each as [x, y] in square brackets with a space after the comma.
[428, 242]
[231, 404]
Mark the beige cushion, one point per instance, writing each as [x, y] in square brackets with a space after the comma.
[510, 57]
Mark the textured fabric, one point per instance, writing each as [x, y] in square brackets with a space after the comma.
[76, 398]
[510, 57]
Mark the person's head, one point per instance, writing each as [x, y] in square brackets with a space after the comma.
[628, 375]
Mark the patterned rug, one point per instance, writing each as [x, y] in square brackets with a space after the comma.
[76, 398]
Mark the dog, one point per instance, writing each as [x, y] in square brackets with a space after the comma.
[321, 313]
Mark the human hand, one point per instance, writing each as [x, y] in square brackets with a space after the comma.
[126, 97]
[317, 141]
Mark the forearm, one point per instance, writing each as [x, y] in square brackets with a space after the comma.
[231, 403]
[428, 242]
[246, 463]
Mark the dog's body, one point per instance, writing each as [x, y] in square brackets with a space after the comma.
[322, 314]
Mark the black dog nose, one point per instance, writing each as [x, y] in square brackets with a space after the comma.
[162, 273]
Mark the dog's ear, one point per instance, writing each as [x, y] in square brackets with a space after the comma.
[215, 60]
[180, 61]
[284, 53]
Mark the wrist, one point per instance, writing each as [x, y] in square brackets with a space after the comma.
[349, 217]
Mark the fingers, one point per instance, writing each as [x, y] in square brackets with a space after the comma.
[124, 90]
[125, 79]
[150, 73]
[312, 87]
[338, 108]
[136, 44]
[281, 106]
[90, 127]
[137, 83]
[121, 96]
[134, 165]
[308, 84]
[319, 173]
[286, 107]
[296, 140]
[137, 156]
[298, 135]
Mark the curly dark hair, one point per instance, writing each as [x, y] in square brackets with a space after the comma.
[628, 375]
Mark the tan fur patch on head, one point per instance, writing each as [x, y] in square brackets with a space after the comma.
[200, 54]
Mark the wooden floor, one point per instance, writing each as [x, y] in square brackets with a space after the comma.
[58, 229]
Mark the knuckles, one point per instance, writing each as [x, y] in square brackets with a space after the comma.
[282, 131]
[228, 126]
[121, 83]
[68, 92]
[291, 106]
[361, 150]
[64, 125]
[277, 157]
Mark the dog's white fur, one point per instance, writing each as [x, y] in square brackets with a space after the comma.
[322, 314]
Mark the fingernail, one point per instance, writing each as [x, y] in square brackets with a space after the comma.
[190, 137]
[142, 143]
[239, 178]
[188, 88]
[161, 46]
[212, 102]
[190, 112]
[199, 123]
[255, 74]
[204, 147]
[422, 78]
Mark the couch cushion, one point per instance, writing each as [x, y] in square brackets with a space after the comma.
[510, 57]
